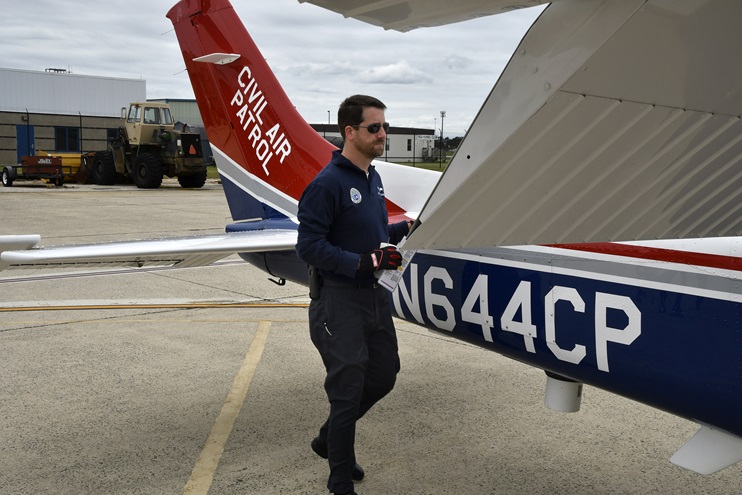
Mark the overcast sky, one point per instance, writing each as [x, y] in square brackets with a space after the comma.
[319, 56]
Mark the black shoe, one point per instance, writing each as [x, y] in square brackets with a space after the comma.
[346, 493]
[320, 448]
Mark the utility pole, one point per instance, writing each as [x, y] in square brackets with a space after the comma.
[443, 115]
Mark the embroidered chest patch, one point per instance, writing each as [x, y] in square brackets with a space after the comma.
[355, 195]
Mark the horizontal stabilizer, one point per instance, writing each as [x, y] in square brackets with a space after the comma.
[14, 242]
[708, 451]
[182, 252]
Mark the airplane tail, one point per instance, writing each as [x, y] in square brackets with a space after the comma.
[265, 151]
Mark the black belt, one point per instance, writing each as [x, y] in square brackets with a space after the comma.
[348, 285]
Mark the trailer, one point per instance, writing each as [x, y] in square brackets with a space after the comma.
[47, 168]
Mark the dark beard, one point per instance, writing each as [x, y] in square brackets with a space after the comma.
[372, 152]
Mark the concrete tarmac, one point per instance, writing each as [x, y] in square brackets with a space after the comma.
[171, 390]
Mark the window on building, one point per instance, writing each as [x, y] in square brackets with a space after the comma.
[409, 145]
[67, 139]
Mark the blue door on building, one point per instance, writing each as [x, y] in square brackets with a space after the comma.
[24, 141]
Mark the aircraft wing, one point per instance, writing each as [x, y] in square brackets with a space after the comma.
[406, 15]
[182, 252]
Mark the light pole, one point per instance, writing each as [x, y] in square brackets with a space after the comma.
[443, 115]
[328, 123]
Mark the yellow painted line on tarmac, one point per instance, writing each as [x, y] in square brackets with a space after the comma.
[203, 473]
[83, 307]
[129, 321]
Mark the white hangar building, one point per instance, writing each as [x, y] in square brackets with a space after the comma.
[55, 110]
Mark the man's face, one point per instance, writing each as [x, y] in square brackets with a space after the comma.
[371, 145]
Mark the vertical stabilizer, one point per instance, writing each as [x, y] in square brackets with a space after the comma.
[265, 151]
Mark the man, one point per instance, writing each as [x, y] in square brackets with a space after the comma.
[343, 223]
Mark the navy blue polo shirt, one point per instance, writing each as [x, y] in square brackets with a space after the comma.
[342, 214]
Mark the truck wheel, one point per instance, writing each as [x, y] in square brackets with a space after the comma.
[7, 180]
[193, 180]
[147, 171]
[104, 169]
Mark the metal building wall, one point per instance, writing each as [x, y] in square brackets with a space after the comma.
[185, 111]
[67, 94]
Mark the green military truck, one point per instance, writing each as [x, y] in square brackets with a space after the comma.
[148, 146]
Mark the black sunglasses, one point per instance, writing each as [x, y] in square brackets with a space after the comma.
[374, 128]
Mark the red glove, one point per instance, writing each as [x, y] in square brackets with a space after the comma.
[385, 258]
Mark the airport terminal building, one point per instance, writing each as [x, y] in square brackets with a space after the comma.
[57, 111]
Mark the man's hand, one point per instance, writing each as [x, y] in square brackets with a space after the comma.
[385, 258]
